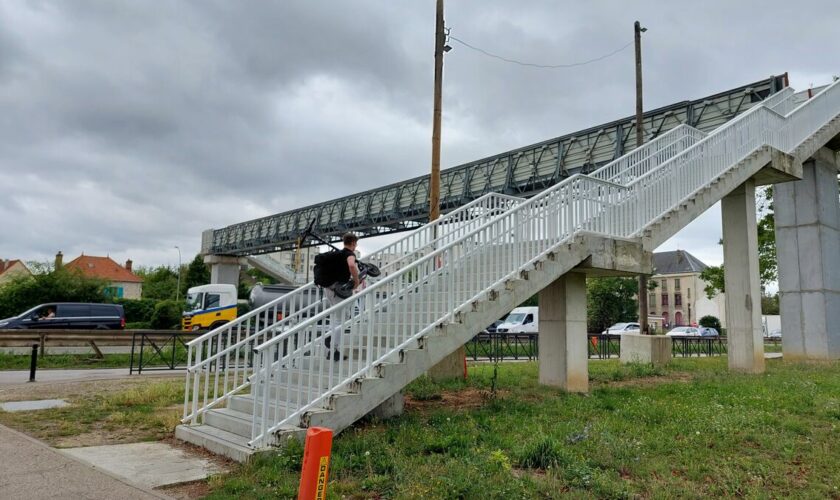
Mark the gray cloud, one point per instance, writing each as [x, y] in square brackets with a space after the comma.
[128, 128]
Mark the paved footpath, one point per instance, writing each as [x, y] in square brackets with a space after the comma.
[32, 470]
[15, 377]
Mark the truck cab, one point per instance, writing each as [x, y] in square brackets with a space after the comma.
[209, 306]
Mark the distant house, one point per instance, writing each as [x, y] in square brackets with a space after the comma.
[123, 282]
[680, 296]
[10, 269]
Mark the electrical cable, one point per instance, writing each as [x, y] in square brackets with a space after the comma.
[534, 65]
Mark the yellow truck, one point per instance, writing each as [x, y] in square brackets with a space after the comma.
[208, 307]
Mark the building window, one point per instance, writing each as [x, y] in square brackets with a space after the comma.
[688, 291]
[676, 284]
[664, 285]
[114, 292]
[677, 299]
[664, 299]
[652, 299]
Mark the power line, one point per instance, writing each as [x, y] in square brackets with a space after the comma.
[534, 65]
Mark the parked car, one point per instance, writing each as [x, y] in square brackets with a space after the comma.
[521, 320]
[69, 315]
[775, 334]
[619, 328]
[684, 331]
[492, 328]
[708, 332]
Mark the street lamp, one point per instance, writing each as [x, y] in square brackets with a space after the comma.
[178, 290]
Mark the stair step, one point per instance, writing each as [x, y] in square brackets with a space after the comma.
[238, 422]
[216, 440]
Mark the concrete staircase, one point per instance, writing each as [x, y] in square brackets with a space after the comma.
[410, 320]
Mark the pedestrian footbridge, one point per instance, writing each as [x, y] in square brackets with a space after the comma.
[256, 382]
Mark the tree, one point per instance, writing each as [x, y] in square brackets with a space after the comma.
[770, 304]
[159, 283]
[47, 285]
[198, 273]
[710, 322]
[609, 301]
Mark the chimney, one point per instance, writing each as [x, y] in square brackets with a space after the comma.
[59, 260]
[128, 265]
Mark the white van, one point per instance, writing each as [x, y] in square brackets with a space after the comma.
[521, 320]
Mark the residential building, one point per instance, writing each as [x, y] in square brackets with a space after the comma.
[680, 296]
[10, 269]
[123, 283]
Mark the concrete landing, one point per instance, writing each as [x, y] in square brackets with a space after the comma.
[43, 404]
[32, 470]
[149, 464]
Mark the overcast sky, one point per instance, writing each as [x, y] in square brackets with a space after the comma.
[127, 128]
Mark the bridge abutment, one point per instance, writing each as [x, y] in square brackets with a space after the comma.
[745, 342]
[807, 214]
[224, 269]
[562, 340]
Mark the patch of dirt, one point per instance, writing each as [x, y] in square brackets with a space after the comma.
[187, 491]
[463, 399]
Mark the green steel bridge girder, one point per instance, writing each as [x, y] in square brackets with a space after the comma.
[522, 172]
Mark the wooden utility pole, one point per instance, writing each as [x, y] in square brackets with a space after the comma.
[640, 139]
[434, 181]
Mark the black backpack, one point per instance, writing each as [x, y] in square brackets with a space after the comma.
[328, 267]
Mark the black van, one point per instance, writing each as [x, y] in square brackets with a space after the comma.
[66, 315]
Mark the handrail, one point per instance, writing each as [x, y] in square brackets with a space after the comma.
[412, 301]
[228, 339]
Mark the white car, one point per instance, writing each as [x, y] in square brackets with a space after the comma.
[684, 331]
[619, 328]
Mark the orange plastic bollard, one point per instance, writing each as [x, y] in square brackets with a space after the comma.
[595, 342]
[316, 464]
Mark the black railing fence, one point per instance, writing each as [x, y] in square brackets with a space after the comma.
[525, 346]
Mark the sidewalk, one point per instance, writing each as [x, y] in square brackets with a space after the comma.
[32, 470]
[15, 377]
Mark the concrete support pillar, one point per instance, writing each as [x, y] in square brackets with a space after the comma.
[562, 340]
[808, 249]
[741, 279]
[224, 269]
[452, 366]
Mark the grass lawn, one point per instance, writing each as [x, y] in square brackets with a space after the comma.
[67, 361]
[104, 412]
[691, 430]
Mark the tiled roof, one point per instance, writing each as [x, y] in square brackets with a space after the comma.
[676, 262]
[103, 268]
[8, 264]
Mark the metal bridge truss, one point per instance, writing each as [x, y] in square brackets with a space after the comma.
[522, 172]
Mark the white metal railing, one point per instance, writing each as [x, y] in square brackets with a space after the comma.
[220, 362]
[292, 376]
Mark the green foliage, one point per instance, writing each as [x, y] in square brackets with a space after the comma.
[609, 301]
[242, 308]
[260, 277]
[63, 285]
[137, 310]
[770, 304]
[710, 322]
[159, 283]
[713, 276]
[167, 315]
[533, 301]
[198, 273]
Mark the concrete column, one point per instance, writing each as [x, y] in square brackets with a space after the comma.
[745, 341]
[808, 250]
[562, 340]
[224, 269]
[452, 366]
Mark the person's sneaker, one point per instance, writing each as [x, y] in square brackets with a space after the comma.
[337, 356]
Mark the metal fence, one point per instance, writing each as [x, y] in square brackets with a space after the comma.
[525, 347]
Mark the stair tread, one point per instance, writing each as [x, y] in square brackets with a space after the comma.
[220, 435]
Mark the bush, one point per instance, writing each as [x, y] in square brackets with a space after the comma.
[710, 322]
[138, 310]
[167, 315]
